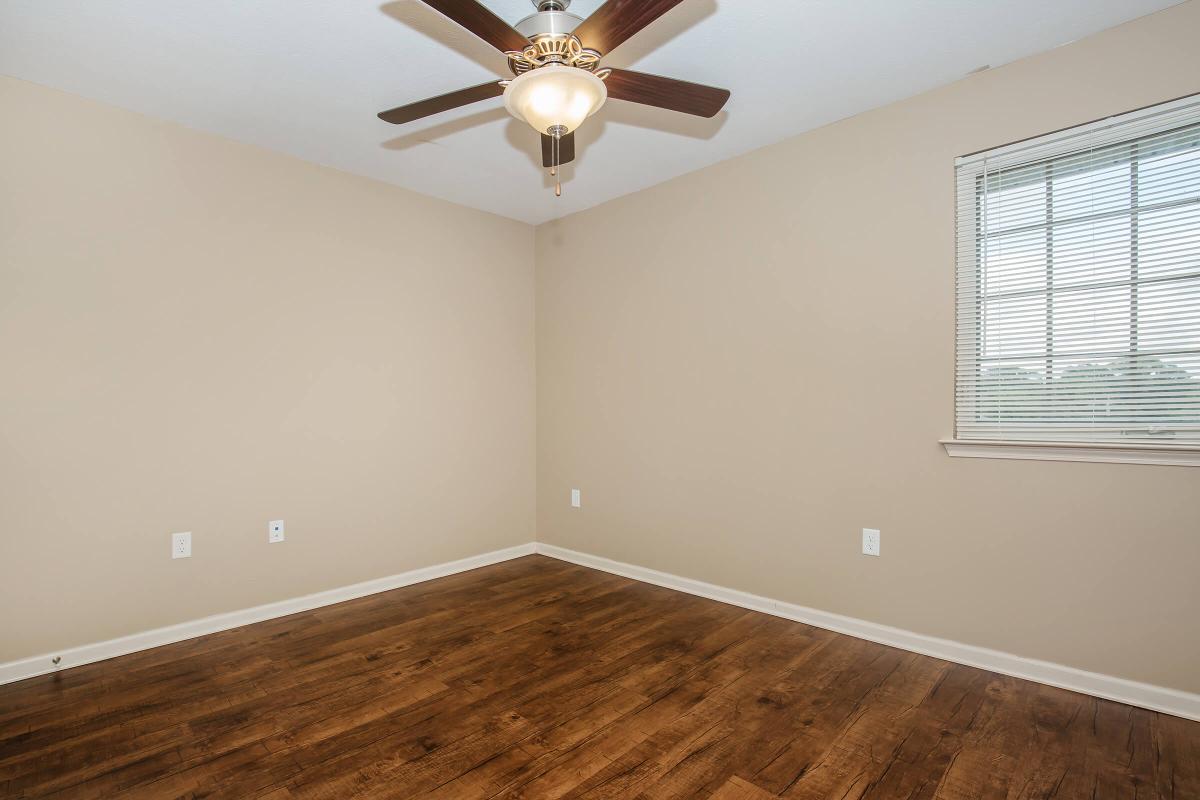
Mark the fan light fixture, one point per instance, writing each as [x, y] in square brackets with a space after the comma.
[555, 100]
[558, 82]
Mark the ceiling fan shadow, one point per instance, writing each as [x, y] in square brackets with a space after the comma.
[640, 116]
[431, 134]
[524, 140]
[429, 23]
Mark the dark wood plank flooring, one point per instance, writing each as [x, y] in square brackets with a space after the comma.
[539, 679]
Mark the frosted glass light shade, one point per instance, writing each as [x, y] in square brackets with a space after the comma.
[555, 96]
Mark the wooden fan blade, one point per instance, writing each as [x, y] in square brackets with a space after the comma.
[655, 90]
[443, 102]
[481, 22]
[617, 20]
[566, 150]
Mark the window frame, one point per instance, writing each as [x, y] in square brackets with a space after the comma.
[975, 170]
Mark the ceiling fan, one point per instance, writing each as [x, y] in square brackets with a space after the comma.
[555, 57]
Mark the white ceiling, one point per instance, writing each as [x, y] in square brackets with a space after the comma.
[306, 77]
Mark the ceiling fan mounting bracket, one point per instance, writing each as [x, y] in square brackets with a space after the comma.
[551, 5]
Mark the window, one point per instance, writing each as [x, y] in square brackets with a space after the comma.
[1078, 285]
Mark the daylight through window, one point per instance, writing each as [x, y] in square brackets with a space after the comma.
[1078, 292]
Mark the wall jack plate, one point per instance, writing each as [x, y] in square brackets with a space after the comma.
[275, 531]
[870, 542]
[181, 545]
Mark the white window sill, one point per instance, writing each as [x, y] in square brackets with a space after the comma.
[1167, 455]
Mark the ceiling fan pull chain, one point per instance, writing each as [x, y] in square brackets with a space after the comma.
[556, 133]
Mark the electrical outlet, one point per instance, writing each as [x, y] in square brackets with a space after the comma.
[275, 531]
[181, 545]
[575, 501]
[870, 542]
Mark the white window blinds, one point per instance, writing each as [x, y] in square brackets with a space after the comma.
[1078, 288]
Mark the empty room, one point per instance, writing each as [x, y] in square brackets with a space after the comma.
[498, 399]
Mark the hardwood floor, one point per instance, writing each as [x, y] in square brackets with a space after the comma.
[540, 679]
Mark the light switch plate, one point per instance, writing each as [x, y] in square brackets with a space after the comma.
[575, 501]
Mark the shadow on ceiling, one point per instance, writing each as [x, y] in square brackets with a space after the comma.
[429, 23]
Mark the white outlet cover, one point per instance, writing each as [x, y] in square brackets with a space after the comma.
[181, 545]
[275, 531]
[575, 501]
[870, 542]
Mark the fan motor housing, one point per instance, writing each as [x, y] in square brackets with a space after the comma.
[548, 23]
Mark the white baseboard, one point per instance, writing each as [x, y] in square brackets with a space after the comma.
[1143, 695]
[88, 653]
[1155, 698]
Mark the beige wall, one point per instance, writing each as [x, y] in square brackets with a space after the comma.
[197, 335]
[745, 366]
[740, 369]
